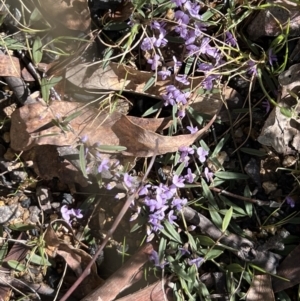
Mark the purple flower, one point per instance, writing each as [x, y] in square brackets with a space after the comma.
[182, 30]
[193, 130]
[184, 251]
[208, 175]
[158, 204]
[197, 261]
[178, 181]
[181, 113]
[202, 153]
[182, 79]
[160, 41]
[67, 214]
[147, 43]
[177, 64]
[266, 104]
[290, 201]
[164, 74]
[154, 61]
[128, 180]
[207, 83]
[230, 40]
[192, 8]
[179, 203]
[144, 190]
[84, 138]
[171, 217]
[190, 176]
[103, 165]
[252, 68]
[154, 257]
[178, 2]
[272, 57]
[204, 67]
[181, 17]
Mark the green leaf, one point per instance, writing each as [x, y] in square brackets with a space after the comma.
[22, 227]
[111, 148]
[286, 112]
[212, 254]
[215, 216]
[82, 160]
[35, 16]
[16, 265]
[36, 259]
[178, 270]
[195, 115]
[205, 241]
[254, 152]
[170, 232]
[219, 146]
[3, 252]
[234, 268]
[37, 50]
[154, 109]
[191, 241]
[227, 219]
[180, 168]
[149, 83]
[228, 175]
[12, 44]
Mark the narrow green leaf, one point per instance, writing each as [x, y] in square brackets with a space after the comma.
[37, 50]
[219, 146]
[82, 160]
[111, 148]
[16, 265]
[205, 241]
[3, 252]
[228, 175]
[36, 259]
[170, 229]
[286, 112]
[215, 216]
[22, 227]
[149, 83]
[154, 109]
[212, 254]
[35, 16]
[227, 219]
[234, 268]
[254, 152]
[180, 168]
[191, 241]
[195, 115]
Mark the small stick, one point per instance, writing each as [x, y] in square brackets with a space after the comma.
[110, 232]
[243, 198]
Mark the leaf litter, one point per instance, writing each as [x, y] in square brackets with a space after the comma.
[187, 74]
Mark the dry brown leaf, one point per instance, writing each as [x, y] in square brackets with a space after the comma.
[289, 269]
[9, 66]
[74, 14]
[118, 77]
[261, 289]
[32, 125]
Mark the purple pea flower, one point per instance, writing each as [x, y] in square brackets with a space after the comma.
[177, 64]
[171, 217]
[103, 165]
[190, 176]
[230, 40]
[147, 43]
[197, 261]
[272, 57]
[68, 213]
[178, 2]
[252, 68]
[193, 9]
[202, 153]
[181, 113]
[204, 67]
[164, 74]
[179, 203]
[192, 130]
[155, 61]
[128, 180]
[181, 17]
[182, 79]
[154, 257]
[184, 251]
[266, 104]
[182, 30]
[84, 138]
[208, 175]
[290, 201]
[178, 181]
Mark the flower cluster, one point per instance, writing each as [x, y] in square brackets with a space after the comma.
[68, 214]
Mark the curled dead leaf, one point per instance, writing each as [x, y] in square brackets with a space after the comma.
[33, 125]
